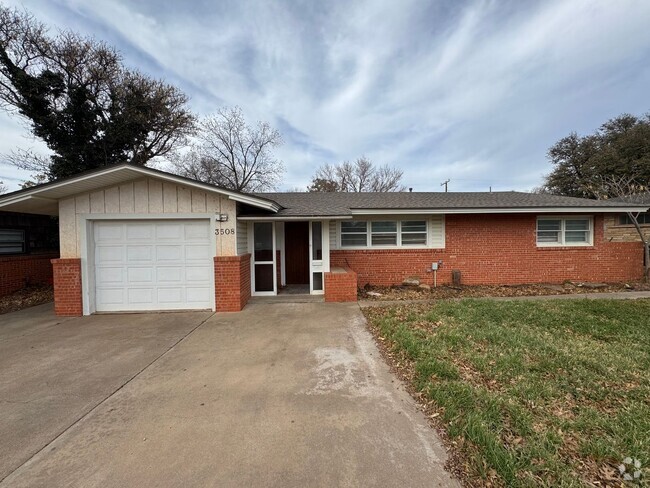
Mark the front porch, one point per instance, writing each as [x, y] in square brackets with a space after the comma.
[290, 262]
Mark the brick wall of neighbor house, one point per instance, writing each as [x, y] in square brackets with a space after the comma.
[67, 287]
[232, 282]
[17, 272]
[622, 233]
[498, 249]
[341, 285]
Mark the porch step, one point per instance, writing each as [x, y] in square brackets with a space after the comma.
[288, 299]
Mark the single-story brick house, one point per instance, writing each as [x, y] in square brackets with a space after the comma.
[28, 243]
[134, 238]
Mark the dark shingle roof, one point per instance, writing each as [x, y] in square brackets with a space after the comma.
[339, 204]
[642, 198]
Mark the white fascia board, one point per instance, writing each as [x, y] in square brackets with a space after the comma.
[538, 210]
[278, 218]
[23, 198]
[265, 204]
[51, 186]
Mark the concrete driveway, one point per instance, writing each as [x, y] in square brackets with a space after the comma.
[277, 395]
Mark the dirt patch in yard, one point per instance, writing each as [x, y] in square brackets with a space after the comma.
[27, 297]
[401, 292]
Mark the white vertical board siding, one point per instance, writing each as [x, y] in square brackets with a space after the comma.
[242, 238]
[147, 196]
[334, 238]
[437, 231]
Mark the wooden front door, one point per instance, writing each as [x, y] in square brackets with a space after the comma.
[296, 245]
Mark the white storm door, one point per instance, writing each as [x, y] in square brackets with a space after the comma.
[153, 265]
[263, 271]
[316, 277]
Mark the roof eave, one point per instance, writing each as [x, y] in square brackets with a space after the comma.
[280, 218]
[41, 191]
[498, 210]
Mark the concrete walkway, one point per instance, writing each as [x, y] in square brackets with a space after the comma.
[622, 295]
[279, 395]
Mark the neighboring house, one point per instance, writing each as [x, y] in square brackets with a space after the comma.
[27, 244]
[620, 228]
[134, 238]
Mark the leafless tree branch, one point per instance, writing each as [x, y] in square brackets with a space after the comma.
[233, 154]
[359, 176]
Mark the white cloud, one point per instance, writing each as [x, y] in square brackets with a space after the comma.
[474, 92]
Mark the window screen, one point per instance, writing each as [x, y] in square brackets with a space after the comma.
[12, 241]
[384, 233]
[354, 234]
[414, 232]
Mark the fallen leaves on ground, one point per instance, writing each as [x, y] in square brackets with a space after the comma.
[27, 297]
[401, 292]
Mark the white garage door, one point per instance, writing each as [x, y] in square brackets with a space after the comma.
[153, 265]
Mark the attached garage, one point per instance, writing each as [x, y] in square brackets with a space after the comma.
[137, 239]
[152, 265]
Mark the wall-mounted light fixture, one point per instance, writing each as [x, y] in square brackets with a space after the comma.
[222, 217]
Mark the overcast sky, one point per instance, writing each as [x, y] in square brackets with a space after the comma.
[474, 92]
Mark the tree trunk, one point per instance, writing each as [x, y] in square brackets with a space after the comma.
[646, 248]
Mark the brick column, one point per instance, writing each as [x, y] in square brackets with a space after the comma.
[232, 282]
[67, 287]
[341, 285]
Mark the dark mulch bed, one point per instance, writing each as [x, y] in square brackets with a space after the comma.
[27, 297]
[401, 292]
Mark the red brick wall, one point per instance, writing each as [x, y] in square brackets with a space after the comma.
[67, 287]
[341, 286]
[16, 272]
[232, 276]
[498, 249]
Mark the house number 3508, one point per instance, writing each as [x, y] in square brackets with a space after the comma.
[224, 232]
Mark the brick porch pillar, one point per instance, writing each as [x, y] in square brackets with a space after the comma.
[341, 285]
[67, 287]
[232, 282]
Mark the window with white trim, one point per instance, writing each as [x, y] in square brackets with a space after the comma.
[384, 233]
[564, 231]
[414, 232]
[12, 241]
[354, 234]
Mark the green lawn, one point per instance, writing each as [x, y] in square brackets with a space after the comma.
[541, 393]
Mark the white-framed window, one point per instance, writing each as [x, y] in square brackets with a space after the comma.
[414, 232]
[354, 234]
[384, 233]
[565, 231]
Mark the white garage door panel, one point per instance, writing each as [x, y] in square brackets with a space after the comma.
[153, 265]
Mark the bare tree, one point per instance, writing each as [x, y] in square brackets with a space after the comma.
[233, 154]
[626, 188]
[3, 188]
[359, 176]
